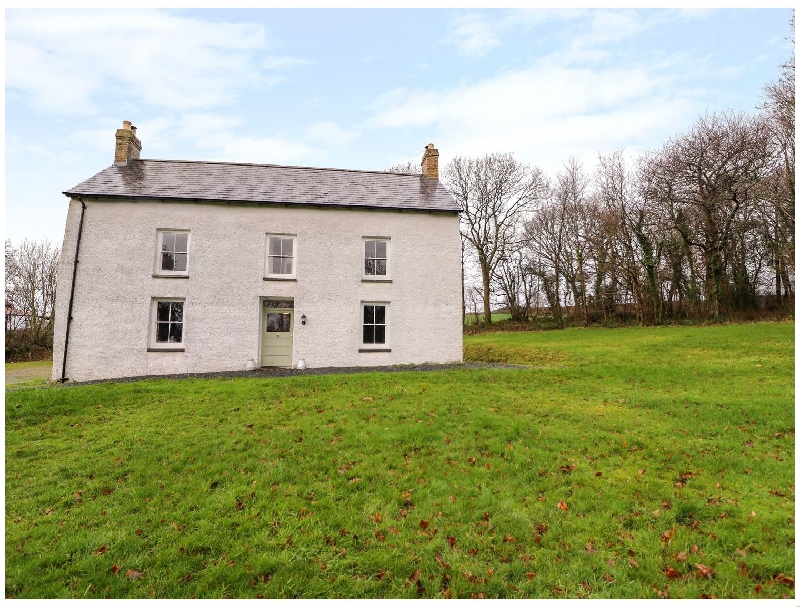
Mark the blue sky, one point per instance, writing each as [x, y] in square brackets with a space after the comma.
[362, 88]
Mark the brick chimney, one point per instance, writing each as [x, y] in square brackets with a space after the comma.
[430, 162]
[128, 144]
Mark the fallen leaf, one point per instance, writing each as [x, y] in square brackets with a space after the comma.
[452, 499]
[671, 573]
[681, 556]
[530, 575]
[667, 536]
[608, 578]
[703, 571]
[441, 561]
[132, 574]
[562, 505]
[785, 579]
[378, 518]
[451, 541]
[423, 524]
[414, 576]
[115, 568]
[632, 562]
[589, 548]
[758, 588]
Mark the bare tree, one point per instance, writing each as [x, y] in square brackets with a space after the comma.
[31, 271]
[516, 283]
[408, 168]
[570, 195]
[495, 193]
[780, 189]
[545, 237]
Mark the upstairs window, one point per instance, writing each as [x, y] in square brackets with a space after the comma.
[173, 253]
[281, 256]
[376, 259]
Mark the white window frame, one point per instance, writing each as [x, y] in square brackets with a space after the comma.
[157, 271]
[367, 347]
[272, 276]
[376, 277]
[174, 346]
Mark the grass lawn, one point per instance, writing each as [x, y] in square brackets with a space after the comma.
[20, 375]
[621, 463]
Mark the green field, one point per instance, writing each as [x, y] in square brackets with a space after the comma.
[625, 463]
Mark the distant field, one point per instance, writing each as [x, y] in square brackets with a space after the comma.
[625, 463]
[496, 316]
[28, 374]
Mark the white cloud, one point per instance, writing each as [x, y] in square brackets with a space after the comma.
[329, 132]
[63, 62]
[544, 114]
[474, 35]
[260, 150]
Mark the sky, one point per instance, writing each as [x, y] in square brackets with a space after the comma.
[362, 88]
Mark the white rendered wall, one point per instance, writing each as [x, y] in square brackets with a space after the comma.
[115, 286]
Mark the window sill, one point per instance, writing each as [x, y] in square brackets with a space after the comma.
[278, 278]
[180, 349]
[170, 276]
[364, 350]
[365, 279]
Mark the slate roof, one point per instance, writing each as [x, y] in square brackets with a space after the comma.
[266, 184]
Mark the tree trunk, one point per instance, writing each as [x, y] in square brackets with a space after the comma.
[487, 308]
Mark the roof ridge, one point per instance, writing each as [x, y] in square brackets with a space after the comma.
[281, 166]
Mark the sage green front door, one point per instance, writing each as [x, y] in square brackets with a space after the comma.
[276, 337]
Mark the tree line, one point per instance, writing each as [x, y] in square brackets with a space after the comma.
[700, 228]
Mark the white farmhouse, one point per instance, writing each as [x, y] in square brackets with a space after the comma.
[172, 267]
